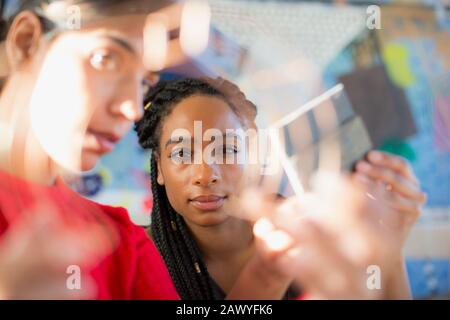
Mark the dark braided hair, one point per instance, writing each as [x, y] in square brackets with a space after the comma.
[3, 27]
[169, 230]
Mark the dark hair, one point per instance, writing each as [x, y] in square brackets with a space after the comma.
[9, 9]
[169, 230]
[3, 27]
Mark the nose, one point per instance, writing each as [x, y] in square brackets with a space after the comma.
[129, 103]
[204, 175]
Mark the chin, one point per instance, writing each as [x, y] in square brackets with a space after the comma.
[210, 219]
[89, 161]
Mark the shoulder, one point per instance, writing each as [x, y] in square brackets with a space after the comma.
[152, 279]
[130, 234]
[119, 216]
[137, 254]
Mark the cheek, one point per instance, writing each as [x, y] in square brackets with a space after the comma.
[99, 91]
[175, 183]
[233, 177]
[89, 160]
[108, 95]
[58, 108]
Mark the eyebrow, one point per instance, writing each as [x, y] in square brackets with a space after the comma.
[121, 42]
[174, 141]
[181, 138]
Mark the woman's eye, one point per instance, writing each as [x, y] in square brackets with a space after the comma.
[230, 149]
[181, 155]
[105, 61]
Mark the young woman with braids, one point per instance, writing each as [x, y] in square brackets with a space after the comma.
[191, 225]
[208, 251]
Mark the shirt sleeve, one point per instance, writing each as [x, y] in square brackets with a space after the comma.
[152, 280]
[135, 270]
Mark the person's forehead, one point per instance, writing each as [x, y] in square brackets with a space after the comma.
[60, 11]
[131, 26]
[213, 113]
[127, 22]
[127, 29]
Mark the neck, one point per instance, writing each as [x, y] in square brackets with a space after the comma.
[223, 241]
[20, 152]
[20, 164]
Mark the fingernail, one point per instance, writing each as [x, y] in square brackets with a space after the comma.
[362, 178]
[375, 156]
[364, 166]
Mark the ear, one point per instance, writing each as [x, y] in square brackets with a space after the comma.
[4, 68]
[23, 39]
[159, 175]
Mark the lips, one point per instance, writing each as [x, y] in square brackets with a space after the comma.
[208, 202]
[105, 142]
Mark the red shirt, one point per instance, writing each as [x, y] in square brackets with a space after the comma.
[134, 270]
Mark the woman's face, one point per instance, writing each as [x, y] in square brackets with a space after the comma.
[204, 193]
[87, 90]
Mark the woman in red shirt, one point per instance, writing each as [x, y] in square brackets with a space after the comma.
[67, 97]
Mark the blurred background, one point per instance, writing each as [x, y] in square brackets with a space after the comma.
[393, 58]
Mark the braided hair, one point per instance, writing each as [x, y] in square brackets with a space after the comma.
[169, 230]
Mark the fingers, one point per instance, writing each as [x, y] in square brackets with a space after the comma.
[404, 205]
[326, 253]
[55, 288]
[36, 252]
[275, 241]
[398, 195]
[74, 247]
[255, 205]
[401, 195]
[393, 179]
[162, 31]
[175, 54]
[172, 16]
[45, 234]
[289, 213]
[394, 210]
[395, 163]
[34, 259]
[276, 248]
[314, 262]
[323, 270]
